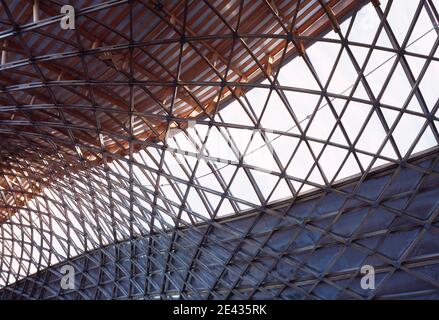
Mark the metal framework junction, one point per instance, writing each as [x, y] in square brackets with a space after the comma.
[206, 149]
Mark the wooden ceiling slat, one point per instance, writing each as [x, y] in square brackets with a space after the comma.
[207, 58]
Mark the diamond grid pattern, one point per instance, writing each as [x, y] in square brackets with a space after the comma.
[313, 250]
[220, 150]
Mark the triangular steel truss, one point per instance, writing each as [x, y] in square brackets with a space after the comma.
[219, 149]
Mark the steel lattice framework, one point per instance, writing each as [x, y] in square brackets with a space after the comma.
[219, 149]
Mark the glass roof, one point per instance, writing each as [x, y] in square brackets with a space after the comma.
[356, 100]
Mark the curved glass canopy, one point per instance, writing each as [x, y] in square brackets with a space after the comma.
[153, 116]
